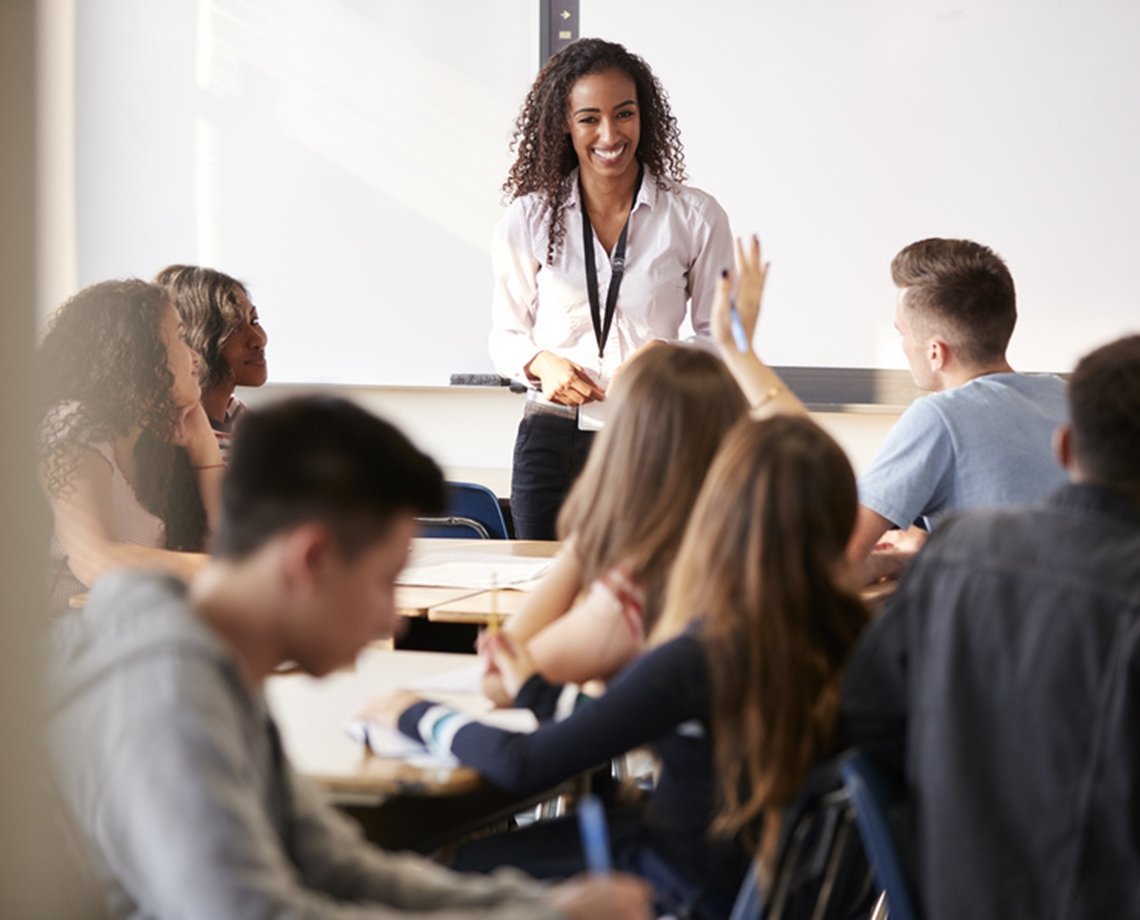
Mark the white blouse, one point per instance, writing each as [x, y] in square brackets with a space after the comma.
[679, 242]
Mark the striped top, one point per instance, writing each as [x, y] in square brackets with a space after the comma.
[223, 430]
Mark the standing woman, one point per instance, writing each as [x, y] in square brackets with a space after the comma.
[601, 251]
[222, 325]
[130, 467]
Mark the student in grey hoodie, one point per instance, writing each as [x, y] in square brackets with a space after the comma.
[165, 752]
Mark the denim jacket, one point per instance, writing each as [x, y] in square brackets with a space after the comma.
[1004, 681]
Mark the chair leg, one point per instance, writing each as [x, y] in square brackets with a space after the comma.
[556, 807]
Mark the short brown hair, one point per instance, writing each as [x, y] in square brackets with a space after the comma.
[324, 459]
[1104, 407]
[965, 290]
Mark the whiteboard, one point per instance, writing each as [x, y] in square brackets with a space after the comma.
[344, 158]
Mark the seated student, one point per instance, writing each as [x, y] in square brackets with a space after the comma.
[1003, 680]
[222, 325]
[130, 467]
[738, 694]
[158, 727]
[669, 410]
[982, 439]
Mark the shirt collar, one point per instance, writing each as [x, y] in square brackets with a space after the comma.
[646, 195]
[1097, 500]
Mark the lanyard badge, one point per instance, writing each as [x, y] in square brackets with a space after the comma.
[602, 326]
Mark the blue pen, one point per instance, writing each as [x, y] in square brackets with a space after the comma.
[738, 328]
[595, 837]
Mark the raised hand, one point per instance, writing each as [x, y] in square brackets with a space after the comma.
[751, 275]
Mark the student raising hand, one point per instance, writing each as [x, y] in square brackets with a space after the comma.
[766, 392]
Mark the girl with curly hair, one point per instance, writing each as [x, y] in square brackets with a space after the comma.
[601, 251]
[131, 468]
[223, 327]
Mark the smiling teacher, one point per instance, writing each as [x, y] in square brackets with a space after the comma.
[601, 251]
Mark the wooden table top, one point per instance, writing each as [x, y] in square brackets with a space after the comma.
[420, 600]
[311, 713]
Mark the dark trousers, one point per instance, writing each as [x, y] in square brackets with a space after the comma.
[550, 452]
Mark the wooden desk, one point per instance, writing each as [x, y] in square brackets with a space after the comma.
[476, 607]
[311, 713]
[424, 547]
[417, 600]
[420, 600]
[402, 805]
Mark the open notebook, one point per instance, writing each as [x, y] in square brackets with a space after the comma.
[483, 572]
[467, 680]
[387, 742]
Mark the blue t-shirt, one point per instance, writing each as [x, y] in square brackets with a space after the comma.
[984, 444]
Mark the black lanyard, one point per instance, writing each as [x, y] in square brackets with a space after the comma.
[602, 330]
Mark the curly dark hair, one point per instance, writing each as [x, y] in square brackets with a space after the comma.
[207, 301]
[104, 370]
[544, 155]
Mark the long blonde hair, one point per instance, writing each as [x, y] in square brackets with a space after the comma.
[760, 567]
[669, 410]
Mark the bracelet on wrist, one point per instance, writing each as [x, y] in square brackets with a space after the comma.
[770, 394]
[209, 466]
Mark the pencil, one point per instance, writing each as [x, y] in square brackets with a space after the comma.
[493, 616]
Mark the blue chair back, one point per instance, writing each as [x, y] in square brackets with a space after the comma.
[473, 512]
[820, 870]
[875, 796]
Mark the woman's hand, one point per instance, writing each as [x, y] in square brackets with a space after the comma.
[386, 710]
[493, 687]
[509, 660]
[563, 381]
[193, 432]
[752, 273]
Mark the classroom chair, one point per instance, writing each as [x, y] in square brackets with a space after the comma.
[473, 512]
[876, 796]
[821, 870]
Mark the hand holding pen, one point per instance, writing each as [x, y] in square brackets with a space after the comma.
[510, 660]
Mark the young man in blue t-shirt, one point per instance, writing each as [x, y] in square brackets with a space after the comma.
[983, 436]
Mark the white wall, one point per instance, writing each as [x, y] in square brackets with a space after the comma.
[470, 431]
[345, 156]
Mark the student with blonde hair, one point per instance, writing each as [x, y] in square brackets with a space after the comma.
[623, 520]
[738, 695]
[624, 517]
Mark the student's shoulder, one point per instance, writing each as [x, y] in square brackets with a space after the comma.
[682, 654]
[998, 389]
[131, 621]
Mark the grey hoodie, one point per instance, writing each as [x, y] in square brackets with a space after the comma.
[174, 773]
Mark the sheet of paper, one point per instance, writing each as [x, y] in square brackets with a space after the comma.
[388, 742]
[482, 572]
[467, 679]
